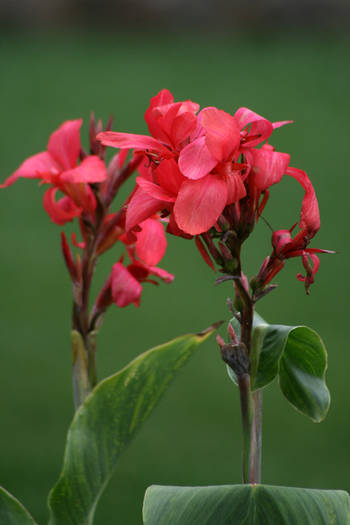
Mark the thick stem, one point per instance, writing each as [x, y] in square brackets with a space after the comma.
[257, 418]
[247, 421]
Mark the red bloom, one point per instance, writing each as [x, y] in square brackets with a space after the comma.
[59, 166]
[193, 172]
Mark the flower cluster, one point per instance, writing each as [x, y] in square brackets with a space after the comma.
[210, 173]
[88, 187]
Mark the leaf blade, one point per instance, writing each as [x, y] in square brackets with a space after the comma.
[106, 423]
[12, 512]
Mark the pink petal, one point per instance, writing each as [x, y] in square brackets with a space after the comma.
[169, 177]
[195, 160]
[125, 288]
[235, 187]
[91, 169]
[129, 140]
[200, 203]
[310, 214]
[222, 133]
[269, 166]
[261, 128]
[33, 167]
[162, 274]
[141, 207]
[154, 190]
[151, 242]
[182, 127]
[60, 211]
[281, 123]
[160, 99]
[64, 144]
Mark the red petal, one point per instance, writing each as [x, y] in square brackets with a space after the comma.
[33, 167]
[200, 203]
[125, 288]
[260, 127]
[141, 206]
[129, 140]
[281, 123]
[268, 167]
[63, 210]
[222, 133]
[92, 169]
[235, 187]
[64, 144]
[310, 214]
[151, 242]
[162, 274]
[154, 190]
[182, 127]
[195, 160]
[169, 177]
[205, 255]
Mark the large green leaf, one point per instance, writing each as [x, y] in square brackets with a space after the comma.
[245, 505]
[105, 424]
[12, 511]
[297, 356]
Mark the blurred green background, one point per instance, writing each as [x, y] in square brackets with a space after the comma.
[194, 436]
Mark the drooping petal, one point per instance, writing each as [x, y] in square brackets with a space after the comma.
[195, 160]
[64, 144]
[310, 214]
[222, 132]
[203, 252]
[311, 264]
[33, 168]
[130, 140]
[200, 203]
[268, 167]
[151, 242]
[60, 211]
[91, 169]
[154, 190]
[260, 129]
[125, 288]
[141, 206]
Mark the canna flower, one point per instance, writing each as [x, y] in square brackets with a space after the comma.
[192, 170]
[286, 247]
[59, 167]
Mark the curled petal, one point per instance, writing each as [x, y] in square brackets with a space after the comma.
[33, 168]
[129, 140]
[141, 207]
[200, 203]
[310, 214]
[222, 133]
[195, 160]
[64, 144]
[60, 211]
[260, 129]
[125, 288]
[151, 242]
[268, 167]
[91, 169]
[311, 269]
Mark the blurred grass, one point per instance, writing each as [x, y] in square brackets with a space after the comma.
[194, 437]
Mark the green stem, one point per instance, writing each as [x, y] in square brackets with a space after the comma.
[247, 421]
[257, 418]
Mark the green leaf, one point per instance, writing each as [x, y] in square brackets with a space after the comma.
[245, 505]
[12, 511]
[105, 424]
[297, 356]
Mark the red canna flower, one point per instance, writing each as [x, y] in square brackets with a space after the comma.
[59, 167]
[193, 173]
